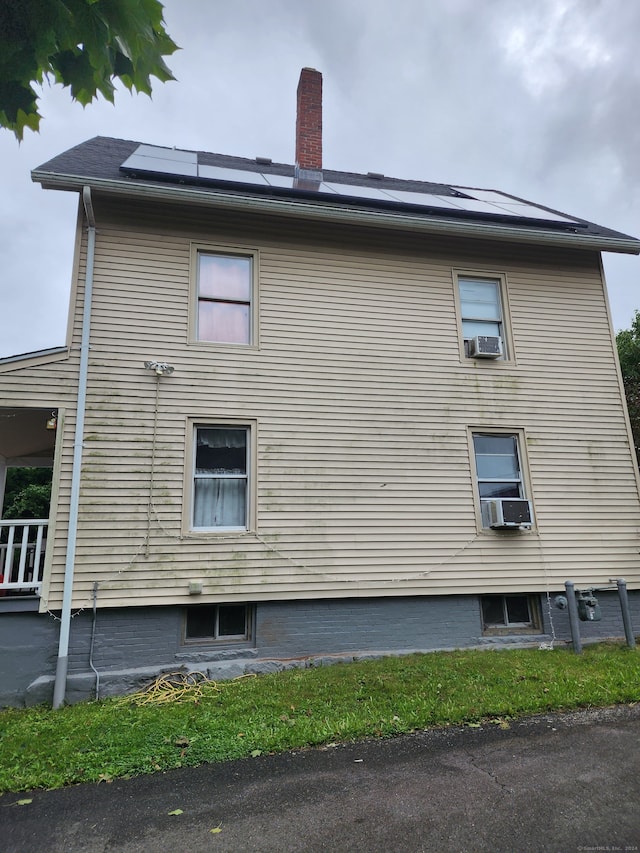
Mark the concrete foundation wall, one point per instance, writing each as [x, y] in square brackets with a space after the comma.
[28, 650]
[127, 637]
[332, 626]
[133, 645]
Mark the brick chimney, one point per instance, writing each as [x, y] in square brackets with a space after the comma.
[309, 121]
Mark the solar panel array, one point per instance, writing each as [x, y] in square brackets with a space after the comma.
[172, 163]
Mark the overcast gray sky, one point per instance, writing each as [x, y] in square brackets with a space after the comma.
[539, 98]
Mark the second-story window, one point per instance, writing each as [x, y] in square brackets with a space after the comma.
[225, 287]
[480, 309]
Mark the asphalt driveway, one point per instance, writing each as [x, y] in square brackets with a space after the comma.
[551, 783]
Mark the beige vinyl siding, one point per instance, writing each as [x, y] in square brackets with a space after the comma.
[362, 403]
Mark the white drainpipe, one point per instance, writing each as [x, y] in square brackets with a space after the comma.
[59, 687]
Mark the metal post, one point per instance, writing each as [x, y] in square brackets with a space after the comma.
[573, 617]
[626, 613]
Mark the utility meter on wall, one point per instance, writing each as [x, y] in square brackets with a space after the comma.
[588, 607]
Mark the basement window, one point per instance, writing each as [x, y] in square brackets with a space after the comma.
[217, 623]
[510, 614]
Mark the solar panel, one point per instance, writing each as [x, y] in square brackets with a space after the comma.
[163, 161]
[508, 206]
[354, 191]
[171, 162]
[483, 195]
[172, 154]
[530, 211]
[476, 206]
[278, 181]
[237, 176]
[423, 199]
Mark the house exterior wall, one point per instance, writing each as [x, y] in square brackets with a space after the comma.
[362, 408]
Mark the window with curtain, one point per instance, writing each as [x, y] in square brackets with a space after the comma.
[481, 308]
[221, 471]
[498, 470]
[225, 285]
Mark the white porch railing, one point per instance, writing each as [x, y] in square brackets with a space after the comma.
[22, 548]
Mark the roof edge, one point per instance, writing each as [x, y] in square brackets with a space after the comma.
[339, 213]
[40, 353]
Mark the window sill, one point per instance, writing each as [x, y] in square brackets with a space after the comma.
[212, 643]
[491, 363]
[212, 532]
[218, 345]
[509, 630]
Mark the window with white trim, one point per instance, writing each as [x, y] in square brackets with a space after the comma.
[480, 309]
[221, 477]
[498, 469]
[224, 297]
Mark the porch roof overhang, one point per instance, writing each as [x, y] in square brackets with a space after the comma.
[25, 440]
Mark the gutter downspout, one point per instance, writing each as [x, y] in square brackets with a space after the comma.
[60, 684]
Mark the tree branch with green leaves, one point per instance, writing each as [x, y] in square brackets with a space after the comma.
[85, 45]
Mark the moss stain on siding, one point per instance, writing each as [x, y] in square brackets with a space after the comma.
[344, 407]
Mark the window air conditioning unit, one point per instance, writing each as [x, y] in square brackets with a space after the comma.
[485, 346]
[509, 512]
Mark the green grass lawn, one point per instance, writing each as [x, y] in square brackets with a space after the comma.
[93, 741]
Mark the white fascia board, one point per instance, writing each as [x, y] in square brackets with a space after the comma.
[351, 214]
